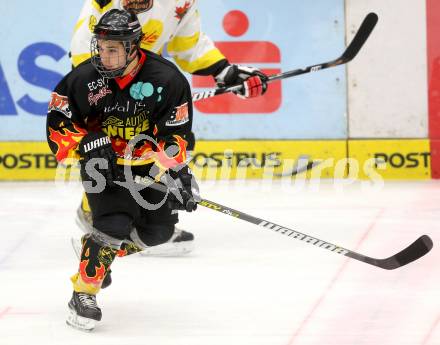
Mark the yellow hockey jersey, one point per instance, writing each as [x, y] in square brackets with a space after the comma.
[172, 22]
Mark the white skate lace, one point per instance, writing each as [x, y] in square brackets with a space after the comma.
[88, 300]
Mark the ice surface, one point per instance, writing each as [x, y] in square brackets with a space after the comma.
[243, 284]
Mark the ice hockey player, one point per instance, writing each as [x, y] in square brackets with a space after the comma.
[95, 113]
[175, 23]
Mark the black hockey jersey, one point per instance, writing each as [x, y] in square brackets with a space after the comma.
[153, 100]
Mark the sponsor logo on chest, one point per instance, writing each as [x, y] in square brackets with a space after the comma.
[93, 98]
[127, 128]
[128, 107]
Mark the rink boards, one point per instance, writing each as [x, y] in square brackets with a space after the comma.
[376, 116]
[268, 159]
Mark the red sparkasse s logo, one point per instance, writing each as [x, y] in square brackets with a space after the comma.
[248, 53]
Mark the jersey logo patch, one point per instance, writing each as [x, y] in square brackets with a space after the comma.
[112, 120]
[180, 116]
[141, 90]
[60, 103]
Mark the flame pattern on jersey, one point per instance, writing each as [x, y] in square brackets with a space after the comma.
[165, 161]
[120, 114]
[66, 140]
[145, 154]
[132, 156]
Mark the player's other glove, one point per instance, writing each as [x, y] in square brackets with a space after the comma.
[184, 190]
[97, 146]
[137, 6]
[253, 81]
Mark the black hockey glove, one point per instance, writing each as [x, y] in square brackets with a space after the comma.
[184, 190]
[98, 157]
[253, 81]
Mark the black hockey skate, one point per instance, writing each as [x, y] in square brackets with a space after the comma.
[83, 311]
[181, 243]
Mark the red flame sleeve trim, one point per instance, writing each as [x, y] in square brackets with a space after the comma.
[66, 141]
[166, 161]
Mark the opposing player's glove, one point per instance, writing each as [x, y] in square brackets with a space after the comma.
[184, 190]
[254, 81]
[98, 145]
[137, 6]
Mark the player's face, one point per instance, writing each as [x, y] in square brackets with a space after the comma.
[112, 53]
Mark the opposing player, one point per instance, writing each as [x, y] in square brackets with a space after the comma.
[97, 112]
[176, 24]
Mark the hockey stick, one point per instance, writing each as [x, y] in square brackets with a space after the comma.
[350, 52]
[414, 251]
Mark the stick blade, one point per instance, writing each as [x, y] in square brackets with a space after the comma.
[414, 251]
[361, 36]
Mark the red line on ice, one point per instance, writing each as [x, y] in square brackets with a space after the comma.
[431, 331]
[332, 282]
[5, 311]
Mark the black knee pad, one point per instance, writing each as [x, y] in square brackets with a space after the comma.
[117, 225]
[154, 234]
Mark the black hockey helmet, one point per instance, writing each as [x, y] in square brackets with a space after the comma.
[116, 25]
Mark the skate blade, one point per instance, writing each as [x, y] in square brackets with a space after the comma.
[79, 322]
[169, 249]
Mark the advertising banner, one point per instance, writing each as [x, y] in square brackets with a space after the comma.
[269, 159]
[33, 59]
[212, 160]
[256, 159]
[283, 36]
[26, 161]
[391, 159]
